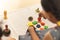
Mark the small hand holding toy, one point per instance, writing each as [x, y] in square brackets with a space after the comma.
[37, 24]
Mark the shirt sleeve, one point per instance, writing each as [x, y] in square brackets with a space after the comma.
[55, 34]
[42, 33]
[27, 36]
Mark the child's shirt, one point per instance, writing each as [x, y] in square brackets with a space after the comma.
[55, 33]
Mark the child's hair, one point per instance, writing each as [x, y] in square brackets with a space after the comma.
[52, 6]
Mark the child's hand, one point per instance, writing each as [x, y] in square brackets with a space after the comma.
[33, 33]
[31, 28]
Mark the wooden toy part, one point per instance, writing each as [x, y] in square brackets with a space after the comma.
[34, 22]
[30, 18]
[5, 14]
[38, 26]
[6, 26]
[30, 24]
[42, 23]
[6, 31]
[37, 10]
[41, 28]
[39, 19]
[45, 27]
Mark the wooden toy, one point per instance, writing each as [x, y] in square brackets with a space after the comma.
[34, 22]
[30, 24]
[6, 31]
[41, 28]
[38, 26]
[42, 23]
[5, 14]
[45, 27]
[30, 18]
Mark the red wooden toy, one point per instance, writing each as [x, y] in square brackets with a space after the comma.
[42, 23]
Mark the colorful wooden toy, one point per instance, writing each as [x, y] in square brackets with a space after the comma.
[34, 22]
[6, 31]
[38, 26]
[42, 23]
[58, 23]
[45, 27]
[30, 18]
[39, 19]
[37, 10]
[30, 24]
[41, 28]
[5, 14]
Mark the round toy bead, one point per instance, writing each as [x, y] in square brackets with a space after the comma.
[30, 24]
[42, 23]
[41, 28]
[45, 27]
[34, 22]
[38, 26]
[37, 10]
[30, 18]
[39, 19]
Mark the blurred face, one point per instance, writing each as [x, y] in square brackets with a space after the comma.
[49, 16]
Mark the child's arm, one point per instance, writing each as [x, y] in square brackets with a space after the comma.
[33, 34]
[48, 36]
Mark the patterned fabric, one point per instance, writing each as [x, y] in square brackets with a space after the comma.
[54, 32]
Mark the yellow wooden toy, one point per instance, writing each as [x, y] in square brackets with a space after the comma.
[5, 14]
[30, 24]
[58, 23]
